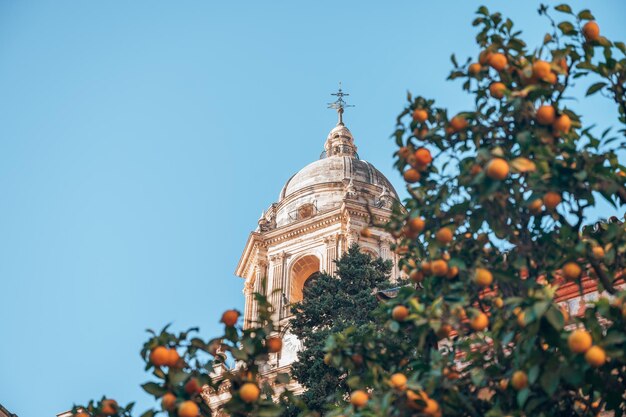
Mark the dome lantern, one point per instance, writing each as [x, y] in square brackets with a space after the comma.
[340, 141]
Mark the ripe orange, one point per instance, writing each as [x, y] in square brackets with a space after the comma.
[404, 152]
[416, 224]
[541, 69]
[444, 235]
[416, 275]
[551, 78]
[412, 175]
[498, 302]
[366, 232]
[497, 90]
[81, 414]
[595, 356]
[420, 115]
[479, 322]
[274, 344]
[249, 392]
[230, 317]
[109, 407]
[562, 124]
[483, 277]
[188, 409]
[358, 398]
[579, 341]
[432, 407]
[498, 61]
[168, 401]
[545, 115]
[551, 199]
[458, 123]
[571, 271]
[172, 357]
[398, 381]
[504, 383]
[159, 356]
[483, 57]
[439, 267]
[521, 319]
[444, 331]
[598, 252]
[423, 156]
[400, 313]
[519, 380]
[426, 267]
[452, 272]
[497, 169]
[535, 207]
[474, 69]
[193, 387]
[591, 30]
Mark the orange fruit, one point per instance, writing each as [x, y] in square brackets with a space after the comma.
[230, 317]
[535, 207]
[404, 152]
[458, 123]
[168, 401]
[483, 277]
[426, 267]
[416, 275]
[504, 384]
[412, 175]
[562, 124]
[571, 271]
[474, 69]
[193, 387]
[498, 61]
[358, 398]
[479, 322]
[519, 380]
[591, 30]
[521, 319]
[551, 199]
[579, 341]
[398, 381]
[109, 407]
[541, 69]
[249, 392]
[497, 169]
[452, 272]
[439, 267]
[598, 252]
[172, 357]
[595, 356]
[400, 313]
[551, 78]
[431, 408]
[420, 115]
[416, 224]
[498, 302]
[188, 409]
[483, 57]
[444, 331]
[444, 235]
[159, 356]
[366, 232]
[423, 156]
[274, 344]
[497, 90]
[545, 115]
[81, 414]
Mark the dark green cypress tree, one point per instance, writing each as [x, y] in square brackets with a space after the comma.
[330, 305]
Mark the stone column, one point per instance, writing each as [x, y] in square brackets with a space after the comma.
[249, 299]
[276, 285]
[260, 284]
[331, 253]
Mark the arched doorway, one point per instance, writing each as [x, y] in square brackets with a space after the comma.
[303, 269]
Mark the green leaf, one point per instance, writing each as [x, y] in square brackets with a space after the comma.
[595, 88]
[567, 28]
[149, 413]
[549, 381]
[585, 15]
[522, 396]
[154, 389]
[563, 8]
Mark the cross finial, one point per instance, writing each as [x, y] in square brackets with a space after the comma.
[339, 104]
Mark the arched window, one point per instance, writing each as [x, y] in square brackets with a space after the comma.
[302, 270]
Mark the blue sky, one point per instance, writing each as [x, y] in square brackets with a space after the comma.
[140, 141]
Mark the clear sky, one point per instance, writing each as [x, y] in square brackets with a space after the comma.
[140, 141]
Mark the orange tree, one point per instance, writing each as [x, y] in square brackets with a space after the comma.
[495, 222]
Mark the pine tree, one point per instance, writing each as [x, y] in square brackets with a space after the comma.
[332, 304]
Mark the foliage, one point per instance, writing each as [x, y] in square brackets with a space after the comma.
[494, 226]
[330, 305]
